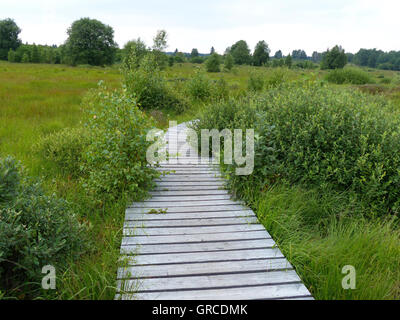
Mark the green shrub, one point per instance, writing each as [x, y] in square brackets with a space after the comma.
[256, 82]
[10, 179]
[65, 148]
[199, 87]
[213, 63]
[35, 229]
[148, 84]
[321, 136]
[276, 77]
[348, 76]
[115, 162]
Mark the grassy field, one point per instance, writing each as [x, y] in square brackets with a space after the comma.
[38, 100]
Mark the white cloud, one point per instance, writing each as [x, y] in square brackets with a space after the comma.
[287, 25]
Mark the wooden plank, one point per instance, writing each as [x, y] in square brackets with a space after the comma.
[198, 247]
[263, 234]
[168, 204]
[218, 183]
[242, 293]
[193, 178]
[129, 216]
[189, 198]
[212, 281]
[178, 193]
[153, 271]
[191, 222]
[191, 230]
[231, 255]
[187, 188]
[192, 209]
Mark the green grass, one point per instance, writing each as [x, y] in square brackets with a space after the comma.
[321, 233]
[37, 100]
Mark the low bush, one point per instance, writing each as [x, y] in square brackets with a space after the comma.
[199, 87]
[348, 76]
[321, 136]
[115, 162]
[65, 148]
[36, 229]
[149, 86]
[256, 82]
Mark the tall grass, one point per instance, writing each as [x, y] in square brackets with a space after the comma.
[321, 233]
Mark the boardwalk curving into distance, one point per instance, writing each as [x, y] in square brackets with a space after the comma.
[190, 241]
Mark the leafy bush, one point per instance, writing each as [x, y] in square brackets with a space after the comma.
[35, 229]
[349, 75]
[322, 136]
[149, 86]
[213, 63]
[256, 82]
[276, 77]
[199, 87]
[115, 162]
[65, 148]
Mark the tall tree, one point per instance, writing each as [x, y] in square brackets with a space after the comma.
[212, 51]
[240, 52]
[228, 63]
[90, 42]
[278, 54]
[213, 63]
[194, 53]
[288, 61]
[261, 53]
[334, 59]
[9, 32]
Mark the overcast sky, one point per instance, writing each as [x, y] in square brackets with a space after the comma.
[283, 24]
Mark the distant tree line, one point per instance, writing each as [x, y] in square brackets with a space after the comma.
[92, 42]
[374, 58]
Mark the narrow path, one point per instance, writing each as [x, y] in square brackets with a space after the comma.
[190, 241]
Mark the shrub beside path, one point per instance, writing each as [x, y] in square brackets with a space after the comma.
[191, 241]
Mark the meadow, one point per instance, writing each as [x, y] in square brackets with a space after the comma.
[319, 229]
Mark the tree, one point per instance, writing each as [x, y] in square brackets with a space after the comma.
[299, 55]
[25, 58]
[159, 46]
[240, 52]
[278, 54]
[288, 61]
[228, 65]
[261, 53]
[213, 63]
[133, 53]
[212, 51]
[316, 57]
[11, 56]
[35, 56]
[90, 42]
[194, 53]
[9, 32]
[334, 59]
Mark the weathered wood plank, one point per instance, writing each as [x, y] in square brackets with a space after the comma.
[212, 281]
[196, 238]
[179, 193]
[190, 222]
[168, 204]
[189, 198]
[188, 215]
[197, 247]
[232, 255]
[192, 209]
[241, 293]
[153, 271]
[191, 230]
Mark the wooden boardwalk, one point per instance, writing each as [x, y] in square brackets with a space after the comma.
[190, 241]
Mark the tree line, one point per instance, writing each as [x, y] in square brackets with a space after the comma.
[91, 42]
